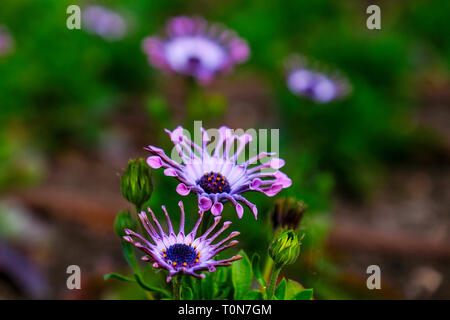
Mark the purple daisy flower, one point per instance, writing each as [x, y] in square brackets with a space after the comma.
[217, 177]
[315, 85]
[6, 41]
[104, 22]
[179, 252]
[196, 49]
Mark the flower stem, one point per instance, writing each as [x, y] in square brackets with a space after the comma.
[177, 287]
[273, 281]
[267, 269]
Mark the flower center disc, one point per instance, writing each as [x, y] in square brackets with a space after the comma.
[214, 183]
[193, 63]
[181, 253]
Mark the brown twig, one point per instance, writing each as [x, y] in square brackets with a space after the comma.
[353, 236]
[96, 211]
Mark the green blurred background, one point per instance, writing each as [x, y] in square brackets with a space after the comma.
[373, 168]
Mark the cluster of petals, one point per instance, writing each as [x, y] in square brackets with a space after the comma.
[217, 176]
[180, 252]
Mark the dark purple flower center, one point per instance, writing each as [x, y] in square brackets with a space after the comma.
[214, 183]
[193, 64]
[181, 255]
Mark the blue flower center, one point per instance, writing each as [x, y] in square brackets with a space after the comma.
[214, 183]
[181, 255]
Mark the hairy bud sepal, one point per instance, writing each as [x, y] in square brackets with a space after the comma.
[136, 183]
[287, 213]
[284, 248]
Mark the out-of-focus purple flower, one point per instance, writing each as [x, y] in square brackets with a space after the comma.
[6, 41]
[194, 48]
[315, 85]
[104, 22]
[179, 252]
[217, 177]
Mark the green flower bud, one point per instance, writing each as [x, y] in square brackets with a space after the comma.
[287, 213]
[136, 183]
[124, 220]
[284, 248]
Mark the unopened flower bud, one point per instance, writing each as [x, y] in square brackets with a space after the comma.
[287, 213]
[124, 220]
[136, 183]
[284, 248]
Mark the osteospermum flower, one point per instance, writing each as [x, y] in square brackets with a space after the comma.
[6, 41]
[217, 177]
[314, 85]
[104, 22]
[196, 49]
[179, 252]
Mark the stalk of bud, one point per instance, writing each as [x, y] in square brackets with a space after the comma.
[284, 249]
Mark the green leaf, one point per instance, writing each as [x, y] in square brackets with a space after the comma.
[194, 285]
[223, 284]
[304, 295]
[292, 288]
[186, 293]
[280, 291]
[118, 277]
[128, 252]
[207, 287]
[222, 275]
[256, 270]
[254, 295]
[150, 288]
[225, 294]
[242, 275]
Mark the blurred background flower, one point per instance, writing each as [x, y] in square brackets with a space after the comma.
[104, 22]
[315, 85]
[196, 49]
[6, 41]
